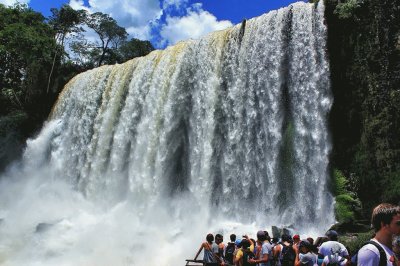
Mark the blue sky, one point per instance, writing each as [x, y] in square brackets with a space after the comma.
[165, 22]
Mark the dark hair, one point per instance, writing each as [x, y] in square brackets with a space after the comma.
[245, 243]
[383, 213]
[210, 238]
[285, 237]
[219, 236]
[232, 237]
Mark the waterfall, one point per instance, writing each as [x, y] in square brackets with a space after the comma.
[227, 134]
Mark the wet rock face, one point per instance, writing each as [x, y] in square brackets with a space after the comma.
[364, 53]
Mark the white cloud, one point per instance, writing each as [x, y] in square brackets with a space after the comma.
[12, 2]
[195, 24]
[135, 16]
[145, 19]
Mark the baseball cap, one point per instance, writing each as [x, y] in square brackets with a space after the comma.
[331, 233]
[296, 237]
[238, 241]
[260, 234]
[304, 243]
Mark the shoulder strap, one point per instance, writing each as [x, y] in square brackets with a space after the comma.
[382, 253]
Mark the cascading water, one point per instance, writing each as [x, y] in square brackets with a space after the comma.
[139, 161]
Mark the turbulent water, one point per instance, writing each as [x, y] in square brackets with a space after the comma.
[139, 161]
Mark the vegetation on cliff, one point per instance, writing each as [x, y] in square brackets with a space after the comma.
[364, 49]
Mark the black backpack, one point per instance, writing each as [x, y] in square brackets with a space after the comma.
[288, 255]
[382, 255]
[230, 249]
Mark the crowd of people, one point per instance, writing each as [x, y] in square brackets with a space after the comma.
[382, 249]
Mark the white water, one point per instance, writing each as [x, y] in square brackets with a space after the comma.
[139, 161]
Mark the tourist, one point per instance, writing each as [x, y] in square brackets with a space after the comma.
[333, 247]
[210, 257]
[265, 253]
[230, 249]
[305, 256]
[288, 253]
[244, 254]
[219, 239]
[386, 223]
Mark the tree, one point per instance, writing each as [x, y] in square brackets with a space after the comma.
[109, 32]
[135, 48]
[64, 21]
[26, 42]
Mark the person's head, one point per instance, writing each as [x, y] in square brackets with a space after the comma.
[296, 238]
[311, 240]
[210, 238]
[232, 237]
[261, 236]
[275, 240]
[332, 235]
[383, 215]
[244, 244]
[304, 246]
[286, 238]
[219, 238]
[238, 242]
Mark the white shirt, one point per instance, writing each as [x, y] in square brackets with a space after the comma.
[331, 247]
[368, 255]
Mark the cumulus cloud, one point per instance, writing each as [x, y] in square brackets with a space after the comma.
[135, 16]
[195, 24]
[161, 21]
[12, 2]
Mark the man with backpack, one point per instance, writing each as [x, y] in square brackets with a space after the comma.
[386, 223]
[286, 255]
[230, 249]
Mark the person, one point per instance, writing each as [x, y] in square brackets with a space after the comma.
[385, 220]
[265, 253]
[210, 257]
[277, 253]
[230, 249]
[288, 253]
[296, 241]
[219, 239]
[305, 256]
[244, 254]
[333, 247]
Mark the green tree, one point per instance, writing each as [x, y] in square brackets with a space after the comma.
[135, 48]
[26, 42]
[111, 35]
[65, 21]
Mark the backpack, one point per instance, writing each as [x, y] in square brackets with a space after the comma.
[230, 249]
[382, 254]
[288, 255]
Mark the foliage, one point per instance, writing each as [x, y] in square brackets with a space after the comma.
[347, 205]
[346, 9]
[26, 42]
[109, 32]
[355, 242]
[365, 117]
[135, 48]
